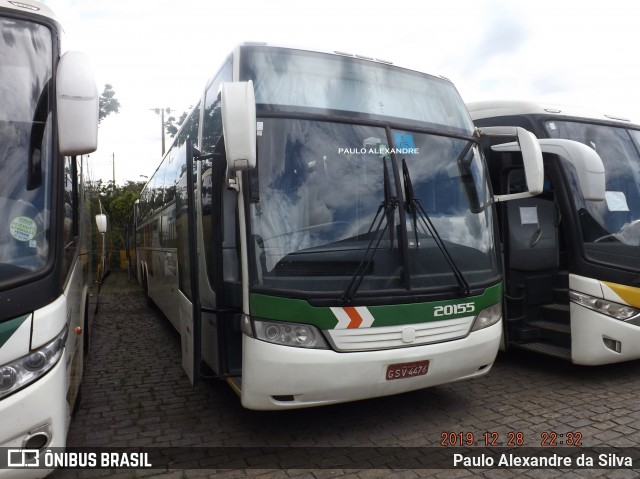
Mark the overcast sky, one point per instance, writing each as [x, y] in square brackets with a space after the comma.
[160, 53]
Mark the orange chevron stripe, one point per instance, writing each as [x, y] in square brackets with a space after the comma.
[354, 316]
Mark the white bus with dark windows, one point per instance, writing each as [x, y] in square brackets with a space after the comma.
[572, 254]
[321, 230]
[48, 118]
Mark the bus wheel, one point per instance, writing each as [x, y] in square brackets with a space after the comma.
[145, 289]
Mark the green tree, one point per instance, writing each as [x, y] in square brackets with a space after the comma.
[171, 125]
[108, 103]
[117, 202]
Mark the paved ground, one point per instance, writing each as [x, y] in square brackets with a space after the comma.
[135, 394]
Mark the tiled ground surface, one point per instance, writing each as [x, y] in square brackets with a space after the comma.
[135, 394]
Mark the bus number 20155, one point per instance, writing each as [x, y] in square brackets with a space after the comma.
[451, 309]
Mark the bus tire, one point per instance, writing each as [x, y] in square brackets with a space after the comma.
[145, 290]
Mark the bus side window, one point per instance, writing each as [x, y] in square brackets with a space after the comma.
[70, 211]
[212, 115]
[212, 182]
[206, 197]
[70, 200]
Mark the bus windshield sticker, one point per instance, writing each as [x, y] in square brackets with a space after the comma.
[23, 228]
[528, 215]
[616, 201]
[404, 142]
[374, 145]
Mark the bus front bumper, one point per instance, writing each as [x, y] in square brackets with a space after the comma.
[279, 377]
[597, 339]
[38, 409]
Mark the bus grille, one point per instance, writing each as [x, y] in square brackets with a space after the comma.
[387, 337]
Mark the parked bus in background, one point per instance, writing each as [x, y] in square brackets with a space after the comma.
[322, 230]
[572, 254]
[48, 118]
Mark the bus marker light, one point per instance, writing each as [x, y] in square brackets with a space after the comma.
[25, 6]
[78, 330]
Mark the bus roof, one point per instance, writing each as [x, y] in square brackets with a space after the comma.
[313, 49]
[340, 53]
[28, 6]
[486, 109]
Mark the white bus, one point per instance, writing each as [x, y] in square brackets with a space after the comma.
[48, 118]
[321, 230]
[573, 275]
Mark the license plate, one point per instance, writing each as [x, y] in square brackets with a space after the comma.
[407, 370]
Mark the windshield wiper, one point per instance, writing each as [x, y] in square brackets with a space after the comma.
[387, 208]
[415, 208]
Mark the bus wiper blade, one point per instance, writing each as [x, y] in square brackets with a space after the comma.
[386, 211]
[415, 208]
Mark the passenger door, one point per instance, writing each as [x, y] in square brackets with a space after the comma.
[189, 300]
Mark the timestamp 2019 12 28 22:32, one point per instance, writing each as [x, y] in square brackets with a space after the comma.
[511, 439]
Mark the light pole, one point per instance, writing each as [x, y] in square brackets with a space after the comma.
[160, 111]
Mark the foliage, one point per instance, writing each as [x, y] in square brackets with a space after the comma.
[172, 125]
[117, 202]
[108, 103]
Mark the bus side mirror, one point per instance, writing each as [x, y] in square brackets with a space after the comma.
[77, 105]
[587, 162]
[238, 106]
[101, 223]
[529, 146]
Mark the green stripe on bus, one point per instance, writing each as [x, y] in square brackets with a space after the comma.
[292, 310]
[300, 311]
[7, 328]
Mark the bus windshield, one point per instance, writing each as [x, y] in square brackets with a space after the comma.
[315, 199]
[296, 80]
[610, 228]
[25, 146]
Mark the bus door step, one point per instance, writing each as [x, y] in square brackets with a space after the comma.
[561, 295]
[548, 349]
[556, 312]
[236, 383]
[552, 326]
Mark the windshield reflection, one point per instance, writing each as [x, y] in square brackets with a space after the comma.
[301, 79]
[616, 218]
[319, 186]
[25, 142]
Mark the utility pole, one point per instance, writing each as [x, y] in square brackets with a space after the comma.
[160, 111]
[113, 156]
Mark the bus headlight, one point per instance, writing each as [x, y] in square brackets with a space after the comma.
[608, 308]
[487, 317]
[285, 334]
[27, 369]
